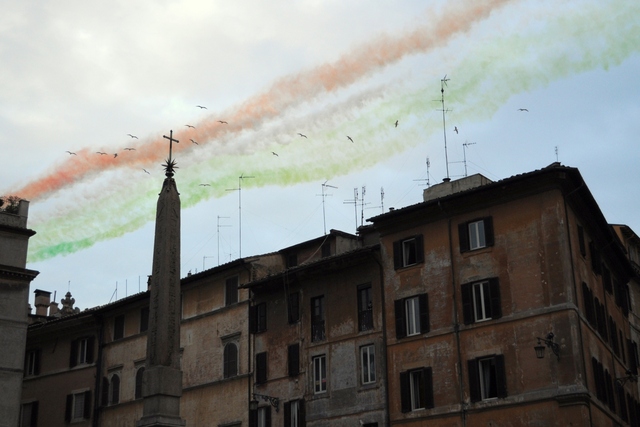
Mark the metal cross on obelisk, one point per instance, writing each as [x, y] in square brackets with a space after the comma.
[171, 164]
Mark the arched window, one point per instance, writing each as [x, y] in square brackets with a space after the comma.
[115, 389]
[230, 360]
[139, 382]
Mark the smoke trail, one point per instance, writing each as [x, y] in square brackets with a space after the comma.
[489, 74]
[283, 95]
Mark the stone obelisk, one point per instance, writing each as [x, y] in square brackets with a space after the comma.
[162, 378]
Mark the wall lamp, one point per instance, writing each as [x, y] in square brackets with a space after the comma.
[555, 347]
[629, 376]
[274, 401]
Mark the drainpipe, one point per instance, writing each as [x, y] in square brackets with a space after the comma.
[384, 337]
[95, 422]
[456, 324]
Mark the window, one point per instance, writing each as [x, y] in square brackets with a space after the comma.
[261, 368]
[416, 389]
[487, 378]
[408, 252]
[260, 417]
[604, 384]
[118, 327]
[78, 406]
[293, 359]
[317, 319]
[144, 319]
[114, 389]
[365, 308]
[231, 291]
[581, 244]
[368, 364]
[29, 414]
[320, 374]
[412, 316]
[139, 375]
[476, 234]
[258, 318]
[294, 413]
[230, 360]
[32, 363]
[596, 262]
[81, 351]
[481, 301]
[294, 307]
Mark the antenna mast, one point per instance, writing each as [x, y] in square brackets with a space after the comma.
[218, 228]
[362, 203]
[239, 189]
[355, 204]
[324, 220]
[443, 83]
[464, 153]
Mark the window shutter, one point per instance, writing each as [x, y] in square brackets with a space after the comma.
[252, 319]
[36, 368]
[463, 233]
[610, 398]
[261, 317]
[633, 363]
[397, 254]
[253, 418]
[401, 327]
[405, 392]
[474, 381]
[302, 418]
[496, 306]
[423, 300]
[68, 408]
[261, 367]
[501, 377]
[427, 375]
[294, 359]
[467, 303]
[138, 391]
[294, 307]
[287, 414]
[267, 417]
[87, 403]
[419, 249]
[90, 343]
[34, 414]
[488, 231]
[73, 360]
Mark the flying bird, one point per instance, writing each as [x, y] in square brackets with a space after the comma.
[349, 138]
[189, 126]
[130, 149]
[274, 153]
[101, 153]
[223, 122]
[193, 141]
[304, 136]
[146, 171]
[455, 128]
[396, 123]
[115, 155]
[71, 153]
[523, 109]
[205, 185]
[132, 136]
[201, 107]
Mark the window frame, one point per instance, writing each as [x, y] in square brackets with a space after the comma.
[231, 291]
[144, 319]
[72, 406]
[318, 317]
[488, 299]
[294, 413]
[118, 327]
[482, 378]
[81, 351]
[402, 315]
[365, 308]
[293, 360]
[319, 374]
[138, 386]
[30, 408]
[230, 360]
[293, 307]
[416, 389]
[32, 362]
[114, 389]
[258, 318]
[408, 252]
[464, 234]
[368, 364]
[261, 367]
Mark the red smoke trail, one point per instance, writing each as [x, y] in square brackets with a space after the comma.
[284, 94]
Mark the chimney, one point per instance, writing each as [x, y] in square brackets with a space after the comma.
[53, 308]
[42, 301]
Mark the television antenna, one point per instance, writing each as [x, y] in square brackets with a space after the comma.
[239, 190]
[355, 204]
[324, 186]
[556, 153]
[381, 201]
[362, 203]
[427, 179]
[443, 83]
[464, 154]
[218, 228]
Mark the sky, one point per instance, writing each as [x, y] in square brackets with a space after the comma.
[526, 83]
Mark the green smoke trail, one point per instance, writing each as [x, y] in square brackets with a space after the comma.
[598, 36]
